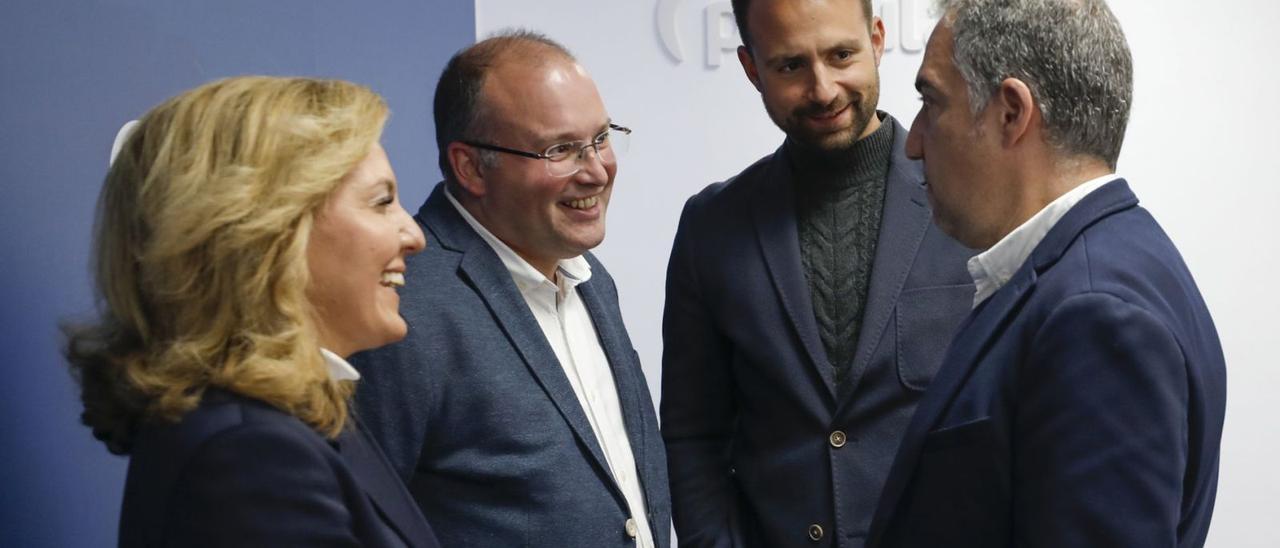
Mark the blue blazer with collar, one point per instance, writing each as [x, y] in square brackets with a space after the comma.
[477, 414]
[1080, 405]
[750, 409]
[238, 472]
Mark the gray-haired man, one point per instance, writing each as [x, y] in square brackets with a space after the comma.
[1081, 403]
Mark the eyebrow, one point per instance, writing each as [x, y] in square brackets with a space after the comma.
[386, 182]
[852, 44]
[782, 59]
[568, 136]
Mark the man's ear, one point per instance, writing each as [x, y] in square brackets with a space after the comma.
[465, 161]
[1019, 115]
[749, 66]
[877, 38]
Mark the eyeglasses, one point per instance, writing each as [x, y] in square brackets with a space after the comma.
[566, 159]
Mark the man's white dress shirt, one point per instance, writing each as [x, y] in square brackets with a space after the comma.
[569, 330]
[992, 268]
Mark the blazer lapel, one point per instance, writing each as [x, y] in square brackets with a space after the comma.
[620, 355]
[383, 487]
[625, 367]
[773, 209]
[970, 342]
[980, 329]
[902, 227]
[493, 283]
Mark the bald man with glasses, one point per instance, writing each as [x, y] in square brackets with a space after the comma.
[516, 409]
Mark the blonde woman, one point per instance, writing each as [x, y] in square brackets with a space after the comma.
[249, 238]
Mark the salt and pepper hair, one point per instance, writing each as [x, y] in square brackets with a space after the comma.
[1071, 53]
[459, 103]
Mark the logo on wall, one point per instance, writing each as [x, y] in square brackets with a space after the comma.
[905, 24]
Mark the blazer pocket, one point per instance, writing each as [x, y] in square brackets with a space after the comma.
[961, 488]
[926, 319]
[958, 435]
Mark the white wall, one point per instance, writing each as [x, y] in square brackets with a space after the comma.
[1201, 152]
[1204, 125]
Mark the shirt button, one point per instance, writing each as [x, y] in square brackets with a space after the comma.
[837, 439]
[630, 527]
[815, 532]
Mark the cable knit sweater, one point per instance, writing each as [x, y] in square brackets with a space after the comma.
[839, 199]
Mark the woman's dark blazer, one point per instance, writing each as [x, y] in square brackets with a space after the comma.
[238, 472]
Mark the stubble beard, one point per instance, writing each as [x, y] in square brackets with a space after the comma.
[864, 108]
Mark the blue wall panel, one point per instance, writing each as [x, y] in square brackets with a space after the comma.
[71, 72]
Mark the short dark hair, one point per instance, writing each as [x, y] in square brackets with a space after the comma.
[740, 8]
[458, 108]
[1071, 53]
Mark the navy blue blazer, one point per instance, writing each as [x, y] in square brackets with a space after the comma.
[763, 448]
[238, 472]
[1080, 405]
[476, 412]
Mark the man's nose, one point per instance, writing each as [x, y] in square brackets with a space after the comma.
[592, 161]
[823, 89]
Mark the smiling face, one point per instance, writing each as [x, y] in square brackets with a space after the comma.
[960, 150]
[816, 64]
[542, 217]
[356, 253]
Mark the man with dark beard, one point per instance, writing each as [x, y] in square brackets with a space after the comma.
[809, 298]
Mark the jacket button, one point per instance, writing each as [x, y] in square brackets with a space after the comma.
[815, 532]
[837, 439]
[630, 527]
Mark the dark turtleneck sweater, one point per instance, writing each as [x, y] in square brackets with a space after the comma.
[839, 198]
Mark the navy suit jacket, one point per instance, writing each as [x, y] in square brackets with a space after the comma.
[1080, 405]
[238, 472]
[476, 412]
[750, 409]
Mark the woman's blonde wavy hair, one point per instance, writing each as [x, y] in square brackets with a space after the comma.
[201, 239]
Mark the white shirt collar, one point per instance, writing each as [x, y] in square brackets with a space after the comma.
[339, 369]
[993, 268]
[575, 270]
